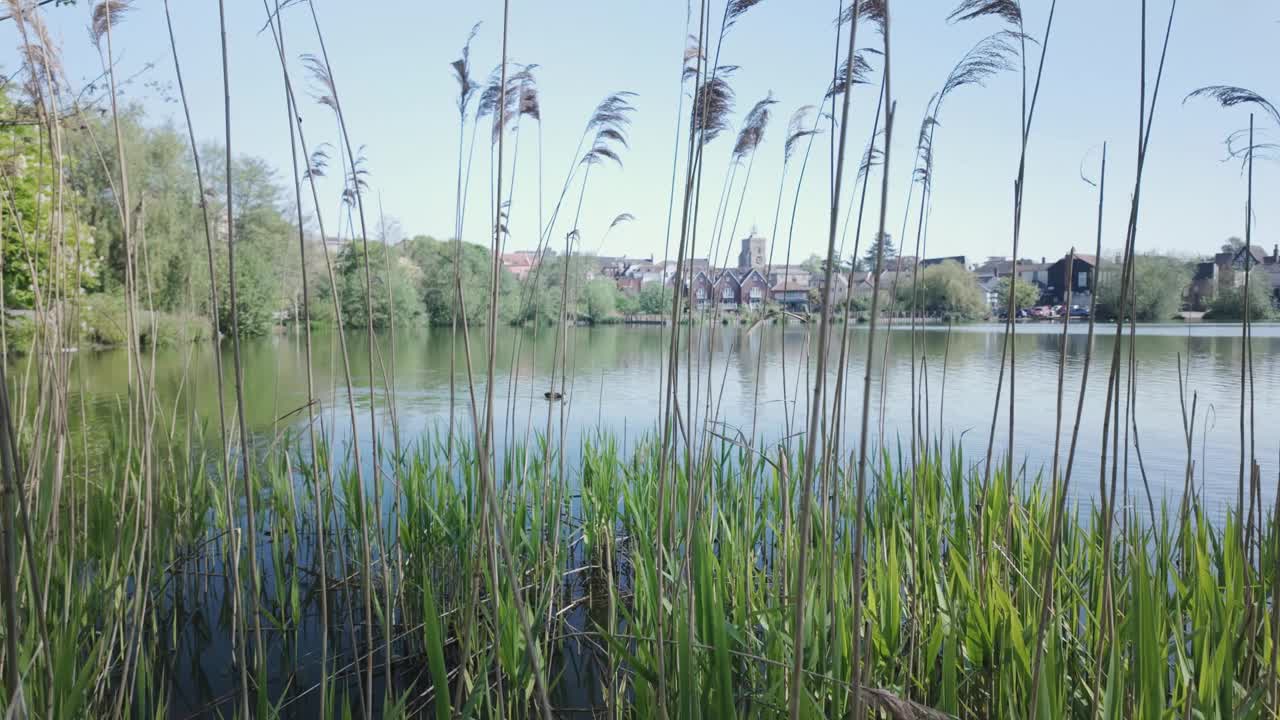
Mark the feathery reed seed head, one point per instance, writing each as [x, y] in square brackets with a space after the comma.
[1230, 96]
[1008, 10]
[861, 68]
[712, 103]
[753, 126]
[106, 14]
[798, 129]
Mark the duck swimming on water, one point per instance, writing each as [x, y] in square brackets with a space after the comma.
[553, 395]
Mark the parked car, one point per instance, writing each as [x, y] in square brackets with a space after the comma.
[1079, 311]
[1042, 312]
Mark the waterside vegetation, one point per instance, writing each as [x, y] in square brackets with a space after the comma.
[341, 567]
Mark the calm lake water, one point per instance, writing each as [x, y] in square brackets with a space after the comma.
[615, 376]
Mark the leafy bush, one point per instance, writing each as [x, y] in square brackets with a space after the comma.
[654, 299]
[949, 291]
[352, 293]
[600, 296]
[1159, 283]
[103, 322]
[175, 329]
[1026, 294]
[434, 262]
[257, 291]
[1229, 303]
[20, 333]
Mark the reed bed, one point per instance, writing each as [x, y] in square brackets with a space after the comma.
[1181, 638]
[170, 568]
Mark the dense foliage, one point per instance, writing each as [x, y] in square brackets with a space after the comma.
[1025, 294]
[1159, 285]
[39, 243]
[946, 290]
[435, 259]
[1229, 303]
[390, 291]
[867, 263]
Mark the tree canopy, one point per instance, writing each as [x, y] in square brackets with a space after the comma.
[946, 290]
[1159, 285]
[1229, 303]
[435, 260]
[869, 257]
[1025, 294]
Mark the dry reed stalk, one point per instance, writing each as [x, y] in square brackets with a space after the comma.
[1146, 122]
[666, 451]
[818, 407]
[878, 10]
[1059, 494]
[485, 464]
[325, 73]
[238, 368]
[313, 171]
[318, 487]
[795, 132]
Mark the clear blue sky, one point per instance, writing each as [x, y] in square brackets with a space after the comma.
[391, 63]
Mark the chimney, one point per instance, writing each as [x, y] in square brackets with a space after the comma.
[1275, 254]
[1042, 260]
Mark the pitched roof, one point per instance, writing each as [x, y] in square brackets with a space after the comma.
[928, 262]
[728, 274]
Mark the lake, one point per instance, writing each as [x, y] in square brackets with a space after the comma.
[758, 375]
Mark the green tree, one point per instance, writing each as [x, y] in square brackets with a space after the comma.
[947, 290]
[628, 304]
[869, 257]
[435, 261]
[33, 246]
[600, 297]
[164, 206]
[654, 299]
[543, 290]
[1159, 285]
[168, 231]
[257, 295]
[266, 252]
[395, 272]
[1229, 303]
[1026, 294]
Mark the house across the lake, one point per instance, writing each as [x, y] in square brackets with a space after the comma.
[1079, 277]
[1226, 270]
[791, 296]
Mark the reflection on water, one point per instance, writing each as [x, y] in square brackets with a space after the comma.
[615, 374]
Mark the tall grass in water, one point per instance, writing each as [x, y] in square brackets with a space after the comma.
[692, 576]
[1178, 596]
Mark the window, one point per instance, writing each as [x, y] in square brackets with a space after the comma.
[1082, 279]
[701, 294]
[726, 293]
[756, 293]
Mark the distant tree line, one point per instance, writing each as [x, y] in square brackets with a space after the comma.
[412, 282]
